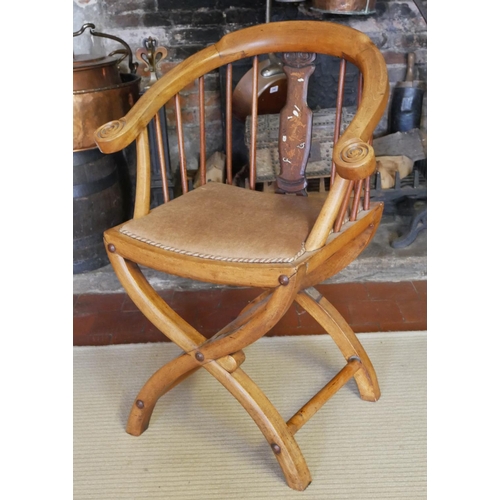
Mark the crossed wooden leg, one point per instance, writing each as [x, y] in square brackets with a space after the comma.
[222, 356]
[213, 355]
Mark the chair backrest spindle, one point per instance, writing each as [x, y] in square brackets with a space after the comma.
[229, 124]
[143, 182]
[343, 208]
[253, 141]
[366, 199]
[338, 113]
[180, 139]
[203, 144]
[161, 156]
[358, 186]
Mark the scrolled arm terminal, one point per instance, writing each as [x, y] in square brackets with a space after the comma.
[106, 133]
[354, 159]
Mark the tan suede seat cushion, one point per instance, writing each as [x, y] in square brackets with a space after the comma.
[228, 223]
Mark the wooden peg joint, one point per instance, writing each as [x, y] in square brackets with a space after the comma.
[276, 449]
[284, 280]
[232, 362]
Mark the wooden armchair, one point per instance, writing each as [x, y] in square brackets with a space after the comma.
[284, 243]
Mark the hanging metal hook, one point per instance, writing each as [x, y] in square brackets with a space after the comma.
[127, 52]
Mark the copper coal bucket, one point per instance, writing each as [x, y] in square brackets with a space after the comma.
[101, 93]
[352, 7]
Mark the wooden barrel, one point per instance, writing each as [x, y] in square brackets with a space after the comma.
[98, 204]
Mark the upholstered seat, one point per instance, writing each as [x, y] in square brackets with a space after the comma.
[229, 223]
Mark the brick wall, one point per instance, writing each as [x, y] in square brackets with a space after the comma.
[186, 26]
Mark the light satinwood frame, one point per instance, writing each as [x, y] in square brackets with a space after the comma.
[326, 252]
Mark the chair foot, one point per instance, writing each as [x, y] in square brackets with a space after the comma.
[269, 421]
[162, 381]
[342, 334]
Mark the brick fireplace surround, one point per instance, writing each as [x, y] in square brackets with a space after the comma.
[382, 300]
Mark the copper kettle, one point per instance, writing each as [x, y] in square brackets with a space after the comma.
[101, 93]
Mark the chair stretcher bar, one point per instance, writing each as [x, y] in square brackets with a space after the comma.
[317, 401]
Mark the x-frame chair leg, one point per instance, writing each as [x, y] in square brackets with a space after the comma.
[342, 334]
[269, 421]
[222, 356]
[162, 381]
[213, 355]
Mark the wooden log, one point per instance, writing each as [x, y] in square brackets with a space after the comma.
[389, 165]
[215, 167]
[410, 144]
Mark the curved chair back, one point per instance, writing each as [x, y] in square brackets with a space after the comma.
[353, 159]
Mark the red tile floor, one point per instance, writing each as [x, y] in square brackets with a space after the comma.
[104, 319]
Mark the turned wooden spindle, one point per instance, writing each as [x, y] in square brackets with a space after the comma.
[229, 124]
[161, 156]
[253, 144]
[203, 153]
[180, 138]
[338, 112]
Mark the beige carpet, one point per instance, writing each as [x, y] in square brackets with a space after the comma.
[202, 445]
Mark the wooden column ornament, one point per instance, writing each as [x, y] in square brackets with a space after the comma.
[295, 124]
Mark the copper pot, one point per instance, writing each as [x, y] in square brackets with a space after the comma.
[95, 107]
[95, 72]
[352, 7]
[101, 93]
